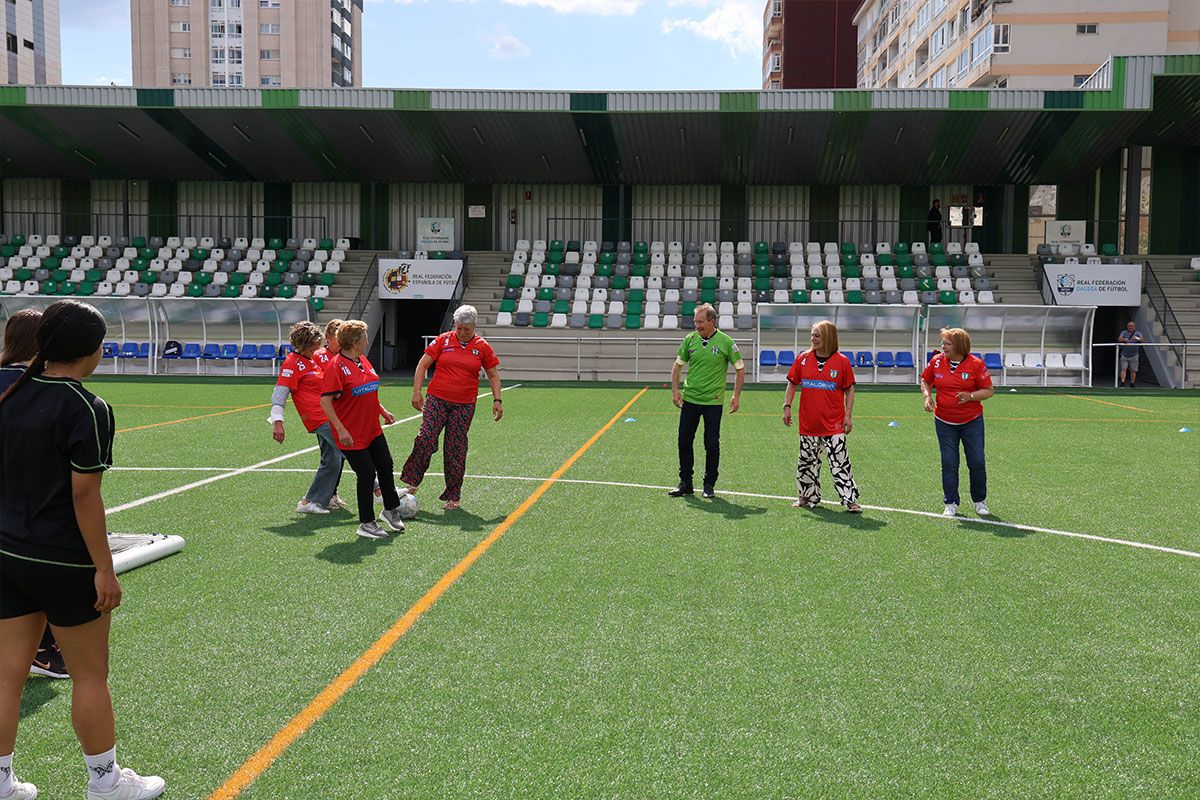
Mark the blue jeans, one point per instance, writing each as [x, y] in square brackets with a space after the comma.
[329, 472]
[971, 436]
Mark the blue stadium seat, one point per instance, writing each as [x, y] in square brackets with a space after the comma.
[865, 359]
[850, 355]
[904, 360]
[249, 352]
[884, 359]
[766, 358]
[144, 350]
[129, 350]
[190, 350]
[267, 352]
[228, 352]
[111, 349]
[993, 361]
[284, 350]
[787, 358]
[211, 351]
[928, 356]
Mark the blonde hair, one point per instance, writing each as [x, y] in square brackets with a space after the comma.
[331, 329]
[350, 331]
[829, 336]
[304, 335]
[960, 338]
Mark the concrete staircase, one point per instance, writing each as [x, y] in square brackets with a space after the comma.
[1181, 285]
[343, 291]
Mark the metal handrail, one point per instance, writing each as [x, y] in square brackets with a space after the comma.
[121, 221]
[1165, 313]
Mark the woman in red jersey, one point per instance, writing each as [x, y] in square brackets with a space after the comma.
[302, 377]
[350, 399]
[457, 356]
[962, 383]
[825, 379]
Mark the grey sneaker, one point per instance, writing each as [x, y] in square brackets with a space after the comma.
[371, 530]
[22, 791]
[131, 786]
[393, 520]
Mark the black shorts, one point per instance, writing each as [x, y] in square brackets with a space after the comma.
[67, 595]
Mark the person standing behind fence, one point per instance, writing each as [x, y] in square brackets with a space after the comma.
[457, 356]
[302, 378]
[56, 442]
[20, 348]
[707, 353]
[935, 222]
[962, 382]
[350, 400]
[825, 380]
[1129, 352]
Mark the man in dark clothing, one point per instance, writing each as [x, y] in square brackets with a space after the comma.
[935, 222]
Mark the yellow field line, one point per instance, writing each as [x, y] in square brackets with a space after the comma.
[1106, 403]
[258, 763]
[164, 405]
[190, 419]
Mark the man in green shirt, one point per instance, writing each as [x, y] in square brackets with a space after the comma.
[707, 353]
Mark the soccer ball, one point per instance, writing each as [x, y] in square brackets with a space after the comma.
[408, 506]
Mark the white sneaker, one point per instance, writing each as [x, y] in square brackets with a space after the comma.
[307, 506]
[981, 508]
[393, 519]
[131, 786]
[371, 530]
[21, 791]
[336, 502]
[951, 510]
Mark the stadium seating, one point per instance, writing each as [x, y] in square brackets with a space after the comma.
[657, 283]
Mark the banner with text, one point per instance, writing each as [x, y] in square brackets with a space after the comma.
[435, 233]
[408, 279]
[1095, 284]
[1066, 231]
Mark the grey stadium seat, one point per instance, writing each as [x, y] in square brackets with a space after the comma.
[542, 307]
[892, 297]
[744, 322]
[982, 285]
[920, 260]
[908, 284]
[521, 319]
[872, 296]
[212, 290]
[577, 320]
[870, 284]
[929, 298]
[615, 321]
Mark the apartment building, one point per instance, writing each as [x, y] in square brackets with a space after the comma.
[32, 42]
[1018, 44]
[254, 43]
[809, 44]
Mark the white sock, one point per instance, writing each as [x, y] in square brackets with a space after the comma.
[6, 776]
[103, 771]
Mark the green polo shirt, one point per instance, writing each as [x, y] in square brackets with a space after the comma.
[707, 364]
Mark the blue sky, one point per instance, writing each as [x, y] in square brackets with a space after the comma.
[499, 44]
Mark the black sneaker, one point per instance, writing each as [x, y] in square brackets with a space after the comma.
[709, 492]
[49, 664]
[681, 490]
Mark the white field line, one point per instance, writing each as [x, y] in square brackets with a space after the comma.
[650, 487]
[243, 470]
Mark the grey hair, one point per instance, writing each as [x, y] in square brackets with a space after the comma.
[466, 315]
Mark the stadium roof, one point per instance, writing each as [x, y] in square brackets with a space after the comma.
[905, 136]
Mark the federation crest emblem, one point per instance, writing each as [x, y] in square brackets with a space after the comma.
[396, 279]
[1066, 284]
[1064, 230]
[833, 373]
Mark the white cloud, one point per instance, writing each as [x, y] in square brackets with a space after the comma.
[604, 8]
[736, 24]
[501, 43]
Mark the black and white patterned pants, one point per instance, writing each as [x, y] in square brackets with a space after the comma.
[808, 468]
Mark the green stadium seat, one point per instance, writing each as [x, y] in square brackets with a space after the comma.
[799, 296]
[7, 251]
[514, 282]
[541, 319]
[762, 284]
[59, 274]
[595, 321]
[688, 309]
[139, 241]
[139, 264]
[708, 296]
[939, 260]
[287, 255]
[286, 292]
[62, 252]
[761, 260]
[205, 278]
[275, 244]
[604, 270]
[326, 278]
[640, 270]
[554, 257]
[17, 240]
[854, 296]
[316, 303]
[51, 262]
[147, 253]
[66, 288]
[273, 279]
[641, 247]
[201, 253]
[606, 257]
[762, 271]
[885, 260]
[552, 268]
[906, 271]
[853, 271]
[901, 247]
[94, 276]
[620, 282]
[637, 295]
[24, 274]
[557, 246]
[49, 287]
[562, 307]
[641, 258]
[816, 283]
[1110, 250]
[325, 244]
[849, 249]
[947, 298]
[237, 279]
[279, 266]
[633, 322]
[904, 260]
[709, 282]
[926, 285]
[781, 271]
[232, 290]
[508, 306]
[849, 260]
[545, 293]
[958, 260]
[634, 309]
[86, 288]
[762, 248]
[937, 247]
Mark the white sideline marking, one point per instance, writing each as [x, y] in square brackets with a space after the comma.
[888, 509]
[243, 470]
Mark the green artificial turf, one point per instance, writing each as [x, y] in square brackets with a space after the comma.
[618, 643]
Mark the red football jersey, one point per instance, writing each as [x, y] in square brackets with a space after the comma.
[456, 379]
[971, 374]
[822, 393]
[306, 380]
[322, 356]
[356, 386]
